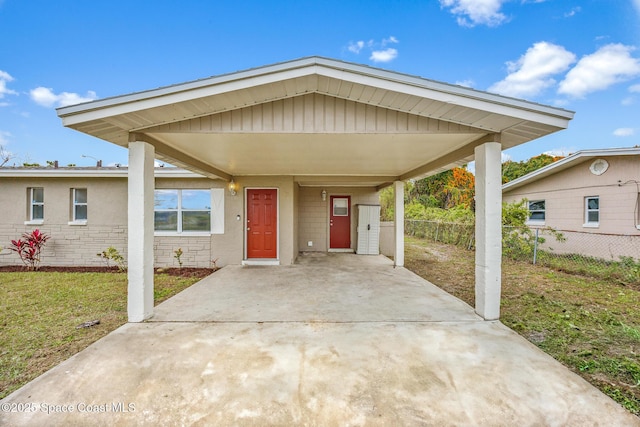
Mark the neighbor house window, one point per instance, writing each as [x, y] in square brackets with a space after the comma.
[591, 211]
[79, 208]
[36, 204]
[182, 211]
[537, 211]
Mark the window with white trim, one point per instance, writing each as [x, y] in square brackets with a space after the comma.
[537, 211]
[340, 206]
[79, 207]
[182, 211]
[591, 211]
[36, 204]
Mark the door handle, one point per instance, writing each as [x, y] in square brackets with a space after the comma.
[248, 228]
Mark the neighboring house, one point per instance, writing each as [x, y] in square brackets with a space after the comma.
[299, 145]
[590, 192]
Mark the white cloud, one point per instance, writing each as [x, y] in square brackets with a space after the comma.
[634, 88]
[466, 83]
[476, 12]
[630, 100]
[391, 39]
[47, 98]
[385, 55]
[379, 52]
[607, 66]
[560, 152]
[533, 72]
[355, 47]
[573, 12]
[624, 132]
[636, 4]
[3, 137]
[4, 90]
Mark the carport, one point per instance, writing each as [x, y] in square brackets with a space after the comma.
[313, 122]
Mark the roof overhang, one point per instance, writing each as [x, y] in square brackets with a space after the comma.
[90, 172]
[566, 163]
[316, 119]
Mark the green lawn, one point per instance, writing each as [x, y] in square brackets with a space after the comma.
[591, 325]
[39, 312]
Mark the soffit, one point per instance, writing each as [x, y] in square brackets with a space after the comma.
[475, 113]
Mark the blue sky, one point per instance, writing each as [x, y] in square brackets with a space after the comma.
[582, 55]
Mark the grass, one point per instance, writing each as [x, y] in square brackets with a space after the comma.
[591, 325]
[39, 312]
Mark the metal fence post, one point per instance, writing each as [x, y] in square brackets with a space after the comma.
[535, 247]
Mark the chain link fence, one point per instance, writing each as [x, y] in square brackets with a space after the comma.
[607, 256]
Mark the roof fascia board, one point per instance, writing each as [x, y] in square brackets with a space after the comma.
[79, 173]
[393, 81]
[132, 103]
[458, 96]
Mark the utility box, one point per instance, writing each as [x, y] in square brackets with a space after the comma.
[368, 230]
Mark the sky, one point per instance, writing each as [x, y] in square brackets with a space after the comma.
[582, 56]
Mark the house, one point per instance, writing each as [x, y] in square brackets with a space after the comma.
[589, 193]
[84, 211]
[299, 144]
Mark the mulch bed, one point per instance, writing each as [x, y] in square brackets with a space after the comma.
[172, 271]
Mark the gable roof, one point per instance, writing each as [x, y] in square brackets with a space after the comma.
[223, 125]
[569, 161]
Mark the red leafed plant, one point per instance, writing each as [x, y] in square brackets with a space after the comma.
[29, 247]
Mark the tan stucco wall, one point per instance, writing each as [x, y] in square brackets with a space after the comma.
[106, 224]
[314, 214]
[565, 191]
[387, 238]
[303, 216]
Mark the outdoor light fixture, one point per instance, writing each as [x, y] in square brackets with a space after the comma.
[324, 195]
[232, 187]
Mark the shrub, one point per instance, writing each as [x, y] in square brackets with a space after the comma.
[29, 248]
[178, 255]
[112, 254]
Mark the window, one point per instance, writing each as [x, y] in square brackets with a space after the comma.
[36, 204]
[537, 211]
[182, 211]
[79, 209]
[340, 207]
[591, 211]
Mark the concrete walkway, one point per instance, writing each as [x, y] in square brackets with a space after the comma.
[337, 340]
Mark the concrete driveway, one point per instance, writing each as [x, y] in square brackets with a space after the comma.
[336, 340]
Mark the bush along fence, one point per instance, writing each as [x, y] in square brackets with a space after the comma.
[607, 256]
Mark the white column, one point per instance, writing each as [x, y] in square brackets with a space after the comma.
[398, 221]
[488, 229]
[140, 233]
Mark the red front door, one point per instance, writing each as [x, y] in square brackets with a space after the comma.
[262, 223]
[340, 222]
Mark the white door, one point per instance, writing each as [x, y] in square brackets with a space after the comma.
[368, 230]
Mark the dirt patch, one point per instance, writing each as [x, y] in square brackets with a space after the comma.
[178, 272]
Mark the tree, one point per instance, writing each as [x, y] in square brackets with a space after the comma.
[512, 170]
[5, 156]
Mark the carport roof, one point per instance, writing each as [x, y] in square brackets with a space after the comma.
[321, 120]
